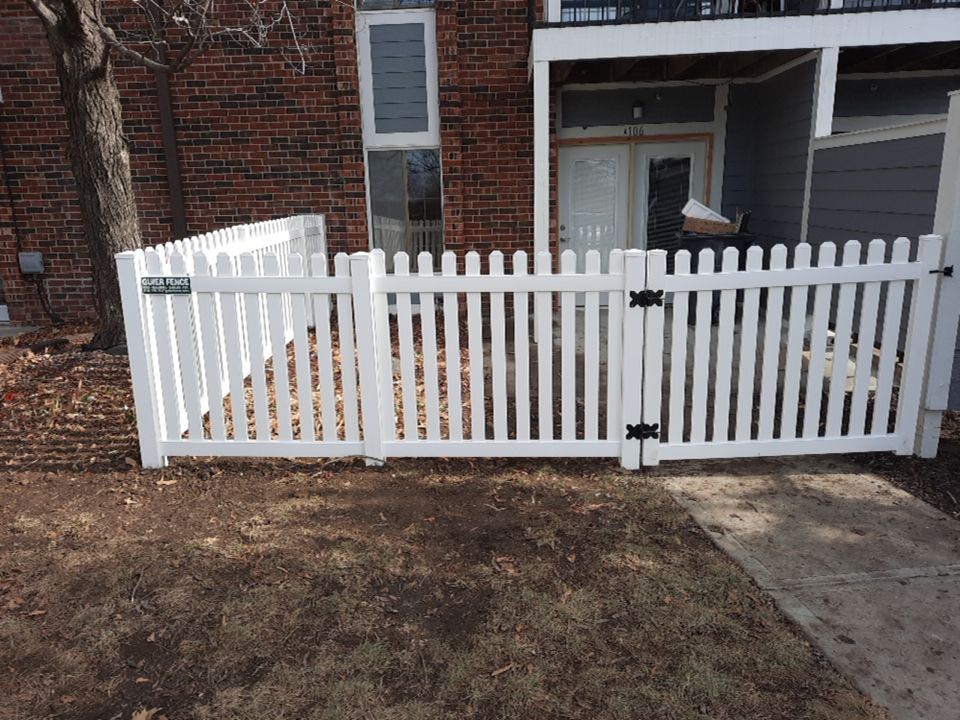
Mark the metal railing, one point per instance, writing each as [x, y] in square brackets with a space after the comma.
[643, 11]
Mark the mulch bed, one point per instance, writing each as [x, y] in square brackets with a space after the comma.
[417, 591]
[936, 481]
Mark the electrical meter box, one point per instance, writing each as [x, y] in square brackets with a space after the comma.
[31, 263]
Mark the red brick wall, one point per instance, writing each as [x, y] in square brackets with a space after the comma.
[258, 140]
[486, 109]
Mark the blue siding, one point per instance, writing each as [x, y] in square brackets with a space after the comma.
[894, 96]
[767, 147]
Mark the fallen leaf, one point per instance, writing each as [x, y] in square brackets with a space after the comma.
[141, 680]
[131, 462]
[501, 671]
[36, 613]
[162, 483]
[13, 603]
[144, 714]
[152, 637]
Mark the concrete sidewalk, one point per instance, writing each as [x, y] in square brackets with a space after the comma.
[869, 572]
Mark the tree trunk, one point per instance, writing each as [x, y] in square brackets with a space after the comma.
[98, 154]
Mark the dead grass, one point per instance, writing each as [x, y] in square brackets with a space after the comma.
[330, 591]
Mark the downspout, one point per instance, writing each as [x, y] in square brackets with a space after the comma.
[170, 155]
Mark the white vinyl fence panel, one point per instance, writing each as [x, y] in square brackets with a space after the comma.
[271, 354]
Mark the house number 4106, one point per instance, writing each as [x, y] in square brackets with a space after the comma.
[633, 131]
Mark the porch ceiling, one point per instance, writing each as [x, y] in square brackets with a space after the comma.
[672, 68]
[899, 58]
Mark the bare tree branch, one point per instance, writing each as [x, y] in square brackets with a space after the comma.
[43, 12]
[130, 53]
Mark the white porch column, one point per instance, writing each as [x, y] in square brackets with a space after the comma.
[553, 10]
[541, 156]
[826, 90]
[946, 222]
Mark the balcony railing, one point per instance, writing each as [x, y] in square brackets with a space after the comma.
[588, 12]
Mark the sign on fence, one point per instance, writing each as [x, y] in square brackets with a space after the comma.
[165, 285]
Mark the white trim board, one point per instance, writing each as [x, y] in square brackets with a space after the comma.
[893, 132]
[891, 27]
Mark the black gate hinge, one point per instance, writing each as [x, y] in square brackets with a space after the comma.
[646, 298]
[946, 272]
[643, 432]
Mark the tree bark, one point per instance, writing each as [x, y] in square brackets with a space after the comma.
[99, 155]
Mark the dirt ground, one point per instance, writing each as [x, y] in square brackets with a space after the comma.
[327, 590]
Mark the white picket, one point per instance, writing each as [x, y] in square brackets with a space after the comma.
[258, 378]
[724, 363]
[475, 351]
[678, 352]
[793, 351]
[168, 367]
[210, 350]
[770, 364]
[408, 378]
[747, 358]
[614, 349]
[591, 352]
[277, 325]
[843, 326]
[869, 307]
[652, 363]
[451, 341]
[498, 351]
[349, 364]
[822, 297]
[521, 351]
[301, 354]
[428, 332]
[634, 275]
[233, 340]
[185, 331]
[701, 351]
[318, 312]
[376, 269]
[568, 351]
[544, 321]
[890, 337]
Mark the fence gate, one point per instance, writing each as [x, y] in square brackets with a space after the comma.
[272, 352]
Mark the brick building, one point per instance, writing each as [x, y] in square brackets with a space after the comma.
[255, 139]
[431, 124]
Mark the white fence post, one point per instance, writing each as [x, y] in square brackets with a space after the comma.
[653, 357]
[946, 222]
[918, 343]
[140, 352]
[368, 359]
[634, 280]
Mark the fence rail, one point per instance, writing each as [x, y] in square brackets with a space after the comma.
[284, 356]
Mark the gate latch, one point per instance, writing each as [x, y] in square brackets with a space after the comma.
[946, 272]
[643, 431]
[646, 298]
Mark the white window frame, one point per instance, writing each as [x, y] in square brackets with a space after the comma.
[373, 140]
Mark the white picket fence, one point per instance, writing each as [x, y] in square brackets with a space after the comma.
[481, 361]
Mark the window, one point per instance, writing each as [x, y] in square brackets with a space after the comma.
[406, 204]
[398, 78]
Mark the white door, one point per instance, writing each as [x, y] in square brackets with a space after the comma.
[666, 175]
[594, 199]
